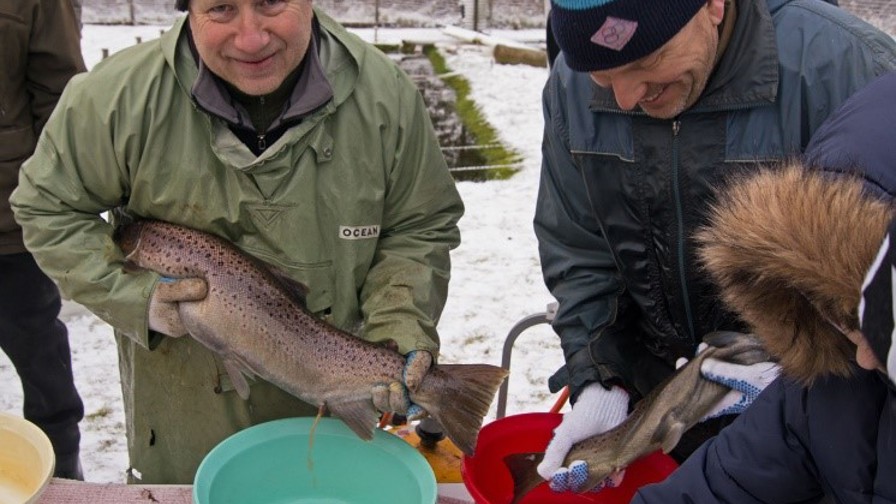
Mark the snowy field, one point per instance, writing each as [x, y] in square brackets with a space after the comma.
[496, 279]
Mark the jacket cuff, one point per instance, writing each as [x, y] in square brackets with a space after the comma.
[578, 372]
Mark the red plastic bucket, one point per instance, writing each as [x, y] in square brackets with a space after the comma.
[488, 480]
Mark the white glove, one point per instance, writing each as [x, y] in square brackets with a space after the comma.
[596, 411]
[745, 382]
[163, 315]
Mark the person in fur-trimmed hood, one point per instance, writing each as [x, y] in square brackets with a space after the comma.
[802, 252]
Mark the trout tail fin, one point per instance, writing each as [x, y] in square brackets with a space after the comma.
[523, 469]
[458, 396]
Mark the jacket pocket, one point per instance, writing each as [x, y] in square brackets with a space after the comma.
[607, 135]
[11, 16]
[317, 277]
[16, 143]
[14, 35]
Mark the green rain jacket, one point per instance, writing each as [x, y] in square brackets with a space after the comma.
[355, 201]
[39, 53]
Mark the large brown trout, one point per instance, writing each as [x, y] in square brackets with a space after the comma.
[254, 318]
[657, 421]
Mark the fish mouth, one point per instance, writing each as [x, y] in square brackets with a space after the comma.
[128, 237]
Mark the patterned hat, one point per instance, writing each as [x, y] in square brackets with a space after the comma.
[601, 34]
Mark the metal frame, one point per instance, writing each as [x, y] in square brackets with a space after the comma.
[533, 320]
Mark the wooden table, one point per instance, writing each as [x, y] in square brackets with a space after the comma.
[77, 492]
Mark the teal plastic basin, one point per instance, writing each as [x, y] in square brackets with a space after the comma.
[273, 463]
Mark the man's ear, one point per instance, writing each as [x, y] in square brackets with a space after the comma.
[716, 10]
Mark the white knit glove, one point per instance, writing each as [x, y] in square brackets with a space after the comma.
[596, 411]
[745, 382]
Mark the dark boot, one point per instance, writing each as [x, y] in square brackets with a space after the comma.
[69, 467]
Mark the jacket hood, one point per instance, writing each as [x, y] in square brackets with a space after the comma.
[789, 248]
[341, 54]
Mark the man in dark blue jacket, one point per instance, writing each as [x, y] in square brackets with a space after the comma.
[810, 267]
[649, 106]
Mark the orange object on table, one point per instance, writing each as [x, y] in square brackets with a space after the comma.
[442, 454]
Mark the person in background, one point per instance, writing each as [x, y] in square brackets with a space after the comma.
[827, 427]
[40, 52]
[268, 124]
[648, 106]
[77, 4]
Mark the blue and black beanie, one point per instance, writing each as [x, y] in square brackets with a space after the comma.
[600, 34]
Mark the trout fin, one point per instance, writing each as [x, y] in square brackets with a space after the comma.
[669, 437]
[738, 348]
[359, 415]
[721, 339]
[458, 396]
[523, 469]
[237, 377]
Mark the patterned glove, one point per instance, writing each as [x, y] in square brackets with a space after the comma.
[596, 411]
[745, 382]
[163, 314]
[394, 396]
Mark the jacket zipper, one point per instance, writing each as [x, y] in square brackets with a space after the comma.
[679, 216]
[262, 143]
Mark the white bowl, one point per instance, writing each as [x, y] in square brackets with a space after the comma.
[26, 460]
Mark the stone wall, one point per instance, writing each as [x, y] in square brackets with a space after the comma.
[128, 11]
[478, 14]
[410, 13]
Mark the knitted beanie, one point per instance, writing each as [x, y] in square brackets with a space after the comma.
[601, 34]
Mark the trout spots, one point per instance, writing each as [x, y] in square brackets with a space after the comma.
[306, 357]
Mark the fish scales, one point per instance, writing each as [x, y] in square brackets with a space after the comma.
[253, 303]
[254, 318]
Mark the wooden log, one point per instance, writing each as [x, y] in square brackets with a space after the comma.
[475, 37]
[515, 55]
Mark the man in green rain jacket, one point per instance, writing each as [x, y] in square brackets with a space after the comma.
[270, 125]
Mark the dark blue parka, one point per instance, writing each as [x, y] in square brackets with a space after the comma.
[621, 193]
[837, 437]
[793, 445]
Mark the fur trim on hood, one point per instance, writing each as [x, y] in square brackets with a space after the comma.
[789, 248]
